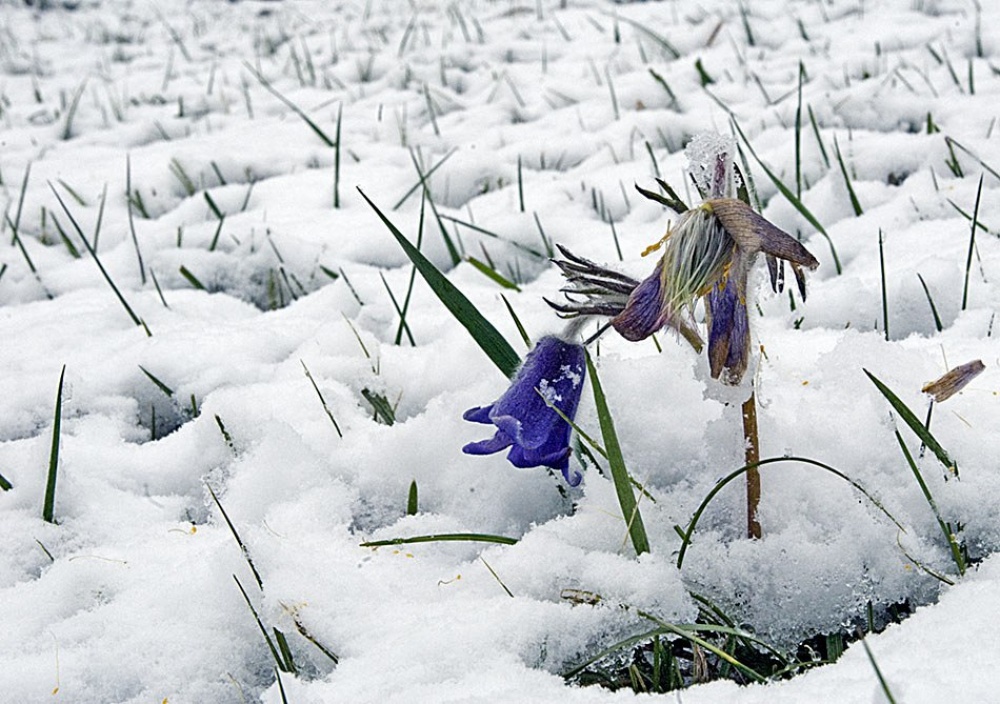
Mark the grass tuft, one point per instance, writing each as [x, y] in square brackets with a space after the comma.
[48, 507]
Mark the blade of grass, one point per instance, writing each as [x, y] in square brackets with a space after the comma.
[847, 179]
[48, 507]
[412, 500]
[291, 106]
[956, 550]
[443, 538]
[619, 472]
[934, 312]
[910, 418]
[885, 300]
[686, 534]
[482, 331]
[159, 384]
[972, 244]
[326, 408]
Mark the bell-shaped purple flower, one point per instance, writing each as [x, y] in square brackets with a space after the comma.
[552, 373]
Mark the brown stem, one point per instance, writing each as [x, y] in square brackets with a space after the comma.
[752, 450]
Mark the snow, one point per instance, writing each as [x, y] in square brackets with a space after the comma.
[130, 595]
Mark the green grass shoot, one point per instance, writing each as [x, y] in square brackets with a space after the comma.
[5, 485]
[949, 536]
[131, 218]
[482, 331]
[384, 411]
[443, 538]
[290, 105]
[453, 252]
[336, 158]
[934, 311]
[885, 300]
[686, 534]
[326, 408]
[279, 657]
[517, 322]
[847, 179]
[911, 420]
[48, 507]
[883, 685]
[972, 244]
[412, 500]
[191, 278]
[107, 277]
[492, 274]
[619, 472]
[423, 178]
[159, 384]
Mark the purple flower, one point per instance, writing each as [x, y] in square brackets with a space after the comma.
[709, 254]
[552, 373]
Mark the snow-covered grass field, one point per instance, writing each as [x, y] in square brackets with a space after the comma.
[243, 405]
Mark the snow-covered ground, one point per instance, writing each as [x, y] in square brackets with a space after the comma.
[248, 256]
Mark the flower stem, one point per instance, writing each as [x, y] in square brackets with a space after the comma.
[752, 450]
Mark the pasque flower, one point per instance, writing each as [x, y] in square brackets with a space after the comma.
[552, 375]
[708, 254]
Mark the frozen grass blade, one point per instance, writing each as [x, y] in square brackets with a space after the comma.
[159, 384]
[131, 219]
[517, 322]
[493, 274]
[972, 244]
[956, 549]
[686, 534]
[798, 118]
[107, 277]
[489, 233]
[278, 657]
[665, 45]
[191, 278]
[910, 418]
[456, 258]
[878, 673]
[885, 300]
[819, 139]
[48, 507]
[239, 541]
[326, 408]
[412, 500]
[384, 412]
[291, 106]
[399, 311]
[336, 159]
[847, 179]
[482, 331]
[423, 178]
[520, 183]
[934, 312]
[619, 473]
[443, 538]
[4, 484]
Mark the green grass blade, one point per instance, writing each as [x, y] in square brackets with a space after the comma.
[326, 408]
[878, 673]
[517, 322]
[847, 179]
[934, 312]
[910, 418]
[972, 244]
[239, 541]
[492, 274]
[412, 500]
[291, 106]
[48, 508]
[686, 534]
[619, 473]
[956, 550]
[443, 538]
[482, 331]
[5, 485]
[260, 624]
[885, 299]
[159, 384]
[107, 277]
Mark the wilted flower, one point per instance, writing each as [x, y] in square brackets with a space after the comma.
[954, 381]
[709, 253]
[552, 373]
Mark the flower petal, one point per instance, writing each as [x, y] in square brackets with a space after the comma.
[753, 233]
[499, 441]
